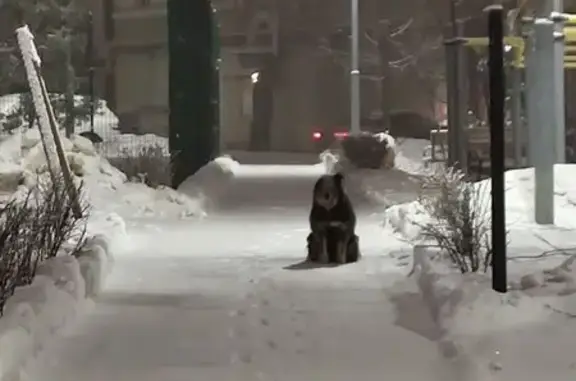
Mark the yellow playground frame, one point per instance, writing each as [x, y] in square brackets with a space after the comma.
[518, 44]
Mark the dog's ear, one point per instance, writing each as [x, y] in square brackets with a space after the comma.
[339, 178]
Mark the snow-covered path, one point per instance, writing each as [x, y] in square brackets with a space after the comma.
[226, 298]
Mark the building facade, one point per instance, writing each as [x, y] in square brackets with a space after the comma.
[300, 86]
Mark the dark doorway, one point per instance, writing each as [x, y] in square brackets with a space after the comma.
[262, 111]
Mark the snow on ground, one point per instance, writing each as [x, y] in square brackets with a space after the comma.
[21, 157]
[64, 285]
[387, 186]
[59, 292]
[524, 334]
[229, 298]
[211, 182]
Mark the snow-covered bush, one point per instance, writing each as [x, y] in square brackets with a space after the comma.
[34, 228]
[149, 165]
[366, 150]
[460, 218]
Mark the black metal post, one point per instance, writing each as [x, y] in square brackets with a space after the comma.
[497, 144]
[90, 53]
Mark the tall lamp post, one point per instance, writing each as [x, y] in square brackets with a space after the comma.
[354, 69]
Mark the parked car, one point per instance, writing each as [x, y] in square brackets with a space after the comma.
[324, 138]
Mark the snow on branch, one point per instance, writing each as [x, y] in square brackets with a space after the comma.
[32, 63]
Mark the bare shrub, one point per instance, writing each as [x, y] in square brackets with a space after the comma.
[14, 217]
[36, 228]
[460, 222]
[149, 165]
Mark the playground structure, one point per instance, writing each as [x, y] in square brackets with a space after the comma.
[537, 54]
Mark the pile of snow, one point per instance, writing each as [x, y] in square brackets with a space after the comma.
[473, 322]
[22, 159]
[64, 284]
[211, 182]
[61, 290]
[385, 186]
[484, 335]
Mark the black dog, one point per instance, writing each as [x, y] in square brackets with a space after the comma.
[333, 223]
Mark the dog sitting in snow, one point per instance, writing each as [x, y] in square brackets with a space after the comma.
[333, 223]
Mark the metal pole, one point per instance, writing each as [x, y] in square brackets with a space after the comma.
[91, 73]
[558, 79]
[355, 70]
[457, 103]
[516, 114]
[497, 144]
[462, 106]
[452, 94]
[532, 88]
[544, 123]
[221, 115]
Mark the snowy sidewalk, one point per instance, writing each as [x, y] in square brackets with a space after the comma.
[214, 314]
[226, 298]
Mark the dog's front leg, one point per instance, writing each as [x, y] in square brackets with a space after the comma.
[323, 257]
[341, 252]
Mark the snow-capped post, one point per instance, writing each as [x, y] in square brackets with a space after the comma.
[29, 55]
[46, 119]
[497, 144]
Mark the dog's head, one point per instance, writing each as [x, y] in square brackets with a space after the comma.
[328, 191]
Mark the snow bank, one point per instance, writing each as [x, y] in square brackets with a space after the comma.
[470, 316]
[60, 291]
[211, 182]
[484, 335]
[384, 186]
[22, 159]
[405, 218]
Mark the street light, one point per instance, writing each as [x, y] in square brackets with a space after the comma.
[354, 70]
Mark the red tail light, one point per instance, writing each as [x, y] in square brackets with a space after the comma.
[316, 136]
[341, 135]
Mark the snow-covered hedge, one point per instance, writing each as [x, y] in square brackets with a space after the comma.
[22, 160]
[54, 280]
[61, 289]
